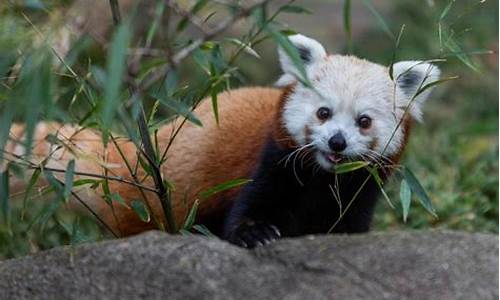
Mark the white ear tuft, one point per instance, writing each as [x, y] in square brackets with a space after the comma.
[310, 51]
[411, 76]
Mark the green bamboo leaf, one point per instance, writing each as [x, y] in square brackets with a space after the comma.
[215, 106]
[182, 109]
[85, 181]
[16, 169]
[50, 209]
[405, 197]
[396, 48]
[347, 24]
[446, 10]
[382, 23]
[201, 60]
[295, 9]
[99, 75]
[4, 195]
[6, 118]
[68, 181]
[115, 68]
[203, 230]
[292, 52]
[38, 96]
[191, 216]
[223, 187]
[170, 83]
[153, 112]
[55, 184]
[158, 13]
[431, 84]
[145, 166]
[380, 185]
[418, 190]
[185, 232]
[185, 21]
[350, 166]
[33, 180]
[119, 199]
[47, 212]
[245, 46]
[457, 51]
[141, 210]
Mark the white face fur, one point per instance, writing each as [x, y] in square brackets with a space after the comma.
[352, 99]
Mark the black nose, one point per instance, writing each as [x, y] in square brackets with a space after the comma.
[337, 142]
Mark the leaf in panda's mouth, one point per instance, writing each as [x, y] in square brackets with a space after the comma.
[350, 166]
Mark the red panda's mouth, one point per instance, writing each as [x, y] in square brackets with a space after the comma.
[333, 158]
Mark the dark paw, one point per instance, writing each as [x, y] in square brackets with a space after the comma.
[251, 234]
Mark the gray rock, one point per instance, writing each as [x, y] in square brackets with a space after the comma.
[402, 265]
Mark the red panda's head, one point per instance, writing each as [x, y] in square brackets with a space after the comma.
[354, 109]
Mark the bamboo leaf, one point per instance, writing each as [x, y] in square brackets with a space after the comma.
[158, 13]
[223, 187]
[55, 184]
[85, 181]
[350, 166]
[431, 84]
[347, 24]
[396, 48]
[246, 47]
[196, 8]
[4, 196]
[292, 52]
[182, 109]
[405, 197]
[446, 10]
[116, 66]
[33, 180]
[295, 9]
[118, 198]
[191, 216]
[203, 230]
[380, 185]
[383, 25]
[455, 48]
[50, 209]
[141, 210]
[6, 118]
[47, 212]
[68, 181]
[145, 166]
[419, 191]
[215, 106]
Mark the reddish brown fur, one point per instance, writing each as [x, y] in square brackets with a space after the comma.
[199, 158]
[203, 157]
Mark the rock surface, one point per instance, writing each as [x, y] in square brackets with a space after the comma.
[401, 265]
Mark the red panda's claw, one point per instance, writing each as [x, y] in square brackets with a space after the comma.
[252, 234]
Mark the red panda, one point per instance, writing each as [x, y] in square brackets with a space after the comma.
[286, 139]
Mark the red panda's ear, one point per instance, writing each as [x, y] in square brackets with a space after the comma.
[411, 78]
[309, 50]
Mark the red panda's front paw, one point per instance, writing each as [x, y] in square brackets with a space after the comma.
[251, 234]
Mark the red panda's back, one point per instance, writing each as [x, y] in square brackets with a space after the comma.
[202, 157]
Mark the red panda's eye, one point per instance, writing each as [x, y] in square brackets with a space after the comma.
[364, 122]
[323, 113]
